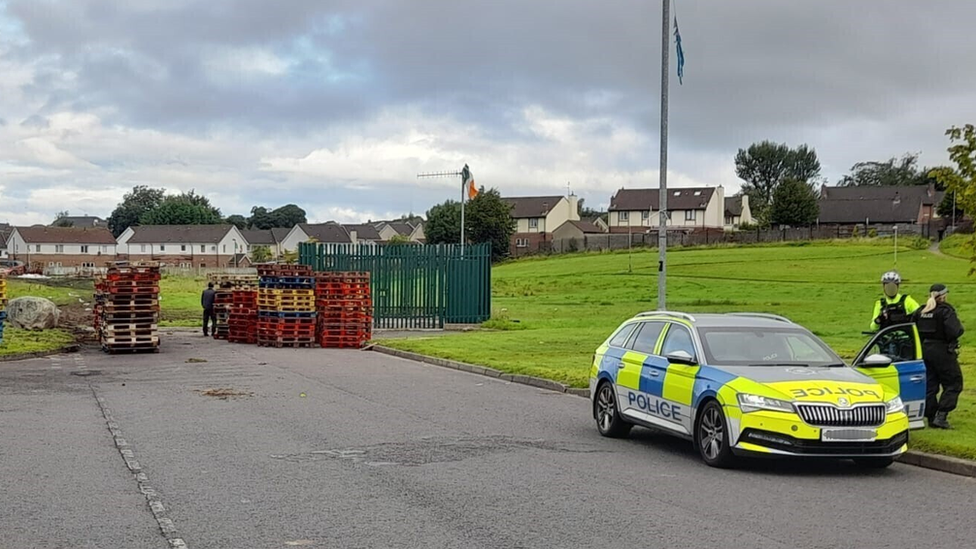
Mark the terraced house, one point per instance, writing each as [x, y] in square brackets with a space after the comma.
[44, 248]
[536, 218]
[638, 210]
[185, 246]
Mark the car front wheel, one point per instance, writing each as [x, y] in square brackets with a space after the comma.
[608, 420]
[712, 436]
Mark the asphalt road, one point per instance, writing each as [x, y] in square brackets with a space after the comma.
[355, 449]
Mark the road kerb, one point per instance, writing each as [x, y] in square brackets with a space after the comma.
[945, 464]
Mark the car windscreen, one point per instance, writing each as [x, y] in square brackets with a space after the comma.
[739, 346]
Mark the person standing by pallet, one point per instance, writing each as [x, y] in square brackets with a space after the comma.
[207, 301]
[940, 330]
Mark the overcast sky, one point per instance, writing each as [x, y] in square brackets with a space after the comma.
[337, 105]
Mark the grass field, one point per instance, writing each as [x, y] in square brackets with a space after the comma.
[551, 313]
[179, 303]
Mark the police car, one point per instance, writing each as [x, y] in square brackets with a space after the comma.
[756, 384]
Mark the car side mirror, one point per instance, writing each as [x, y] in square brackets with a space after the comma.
[876, 361]
[681, 357]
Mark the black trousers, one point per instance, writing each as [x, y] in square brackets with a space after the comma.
[942, 370]
[209, 317]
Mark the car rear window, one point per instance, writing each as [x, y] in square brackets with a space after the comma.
[620, 339]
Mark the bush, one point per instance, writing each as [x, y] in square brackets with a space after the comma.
[748, 226]
[856, 233]
[873, 233]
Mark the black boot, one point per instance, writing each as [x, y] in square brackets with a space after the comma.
[941, 421]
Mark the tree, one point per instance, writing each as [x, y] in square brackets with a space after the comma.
[444, 223]
[261, 254]
[893, 172]
[260, 218]
[398, 240]
[288, 216]
[588, 213]
[764, 166]
[489, 219]
[237, 220]
[962, 179]
[945, 207]
[61, 220]
[794, 204]
[135, 204]
[183, 209]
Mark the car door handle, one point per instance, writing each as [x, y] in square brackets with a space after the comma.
[654, 373]
[916, 379]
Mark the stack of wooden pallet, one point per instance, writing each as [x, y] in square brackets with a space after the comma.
[345, 306]
[3, 304]
[127, 308]
[286, 306]
[243, 316]
[225, 284]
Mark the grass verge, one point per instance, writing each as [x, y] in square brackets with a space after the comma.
[564, 306]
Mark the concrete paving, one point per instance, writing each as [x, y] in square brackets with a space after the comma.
[319, 448]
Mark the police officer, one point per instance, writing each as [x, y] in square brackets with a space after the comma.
[940, 329]
[893, 307]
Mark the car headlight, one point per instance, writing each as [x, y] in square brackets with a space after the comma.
[895, 405]
[753, 403]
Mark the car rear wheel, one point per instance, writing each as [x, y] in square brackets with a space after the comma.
[608, 420]
[712, 436]
[874, 462]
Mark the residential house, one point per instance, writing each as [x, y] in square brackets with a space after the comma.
[600, 221]
[80, 222]
[329, 233]
[636, 210]
[5, 231]
[41, 247]
[185, 246]
[577, 230]
[737, 212]
[912, 205]
[412, 231]
[363, 233]
[537, 217]
[270, 238]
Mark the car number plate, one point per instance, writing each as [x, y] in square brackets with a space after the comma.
[848, 435]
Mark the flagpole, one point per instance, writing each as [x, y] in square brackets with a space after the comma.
[662, 235]
[463, 175]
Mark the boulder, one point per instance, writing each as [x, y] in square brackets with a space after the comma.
[33, 313]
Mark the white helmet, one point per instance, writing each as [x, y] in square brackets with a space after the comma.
[891, 277]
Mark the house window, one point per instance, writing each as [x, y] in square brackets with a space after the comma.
[623, 216]
[203, 248]
[645, 215]
[59, 248]
[225, 248]
[182, 247]
[143, 248]
[534, 223]
[37, 248]
[104, 249]
[677, 193]
[88, 265]
[728, 220]
[521, 242]
[690, 215]
[50, 263]
[213, 248]
[162, 247]
[84, 248]
[697, 193]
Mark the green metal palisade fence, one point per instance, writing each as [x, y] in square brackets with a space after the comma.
[414, 286]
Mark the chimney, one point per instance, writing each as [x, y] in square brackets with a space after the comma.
[745, 201]
[574, 208]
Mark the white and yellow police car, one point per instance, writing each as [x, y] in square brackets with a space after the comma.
[757, 384]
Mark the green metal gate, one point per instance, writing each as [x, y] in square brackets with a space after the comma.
[414, 286]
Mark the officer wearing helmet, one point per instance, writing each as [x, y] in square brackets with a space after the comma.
[893, 307]
[940, 329]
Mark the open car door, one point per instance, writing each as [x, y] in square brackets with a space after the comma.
[906, 374]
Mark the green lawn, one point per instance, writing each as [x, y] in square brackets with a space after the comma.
[16, 341]
[555, 311]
